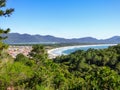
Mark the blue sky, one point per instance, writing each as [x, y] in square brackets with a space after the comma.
[65, 18]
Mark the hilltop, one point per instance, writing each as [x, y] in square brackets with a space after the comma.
[16, 38]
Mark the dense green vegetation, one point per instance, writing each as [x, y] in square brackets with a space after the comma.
[82, 70]
[3, 32]
[100, 69]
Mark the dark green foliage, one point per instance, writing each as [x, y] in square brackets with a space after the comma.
[4, 13]
[12, 74]
[38, 53]
[102, 78]
[81, 70]
[23, 59]
[100, 69]
[117, 67]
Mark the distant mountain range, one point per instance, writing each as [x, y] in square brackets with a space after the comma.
[16, 38]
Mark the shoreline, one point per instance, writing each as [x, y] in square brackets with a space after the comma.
[53, 53]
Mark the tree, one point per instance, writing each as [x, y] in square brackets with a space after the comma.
[102, 78]
[11, 75]
[38, 53]
[4, 13]
[21, 58]
[117, 67]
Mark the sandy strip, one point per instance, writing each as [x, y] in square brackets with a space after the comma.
[59, 51]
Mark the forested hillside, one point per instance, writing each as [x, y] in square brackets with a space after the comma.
[82, 70]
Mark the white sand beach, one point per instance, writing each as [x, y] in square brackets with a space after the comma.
[59, 51]
[52, 53]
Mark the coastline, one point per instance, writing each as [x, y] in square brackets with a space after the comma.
[53, 53]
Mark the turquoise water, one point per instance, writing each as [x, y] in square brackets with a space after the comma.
[68, 51]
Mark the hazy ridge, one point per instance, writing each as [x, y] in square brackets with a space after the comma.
[27, 38]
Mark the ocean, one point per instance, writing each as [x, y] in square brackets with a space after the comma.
[84, 48]
[67, 50]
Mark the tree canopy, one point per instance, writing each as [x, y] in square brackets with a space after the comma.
[82, 70]
[4, 13]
